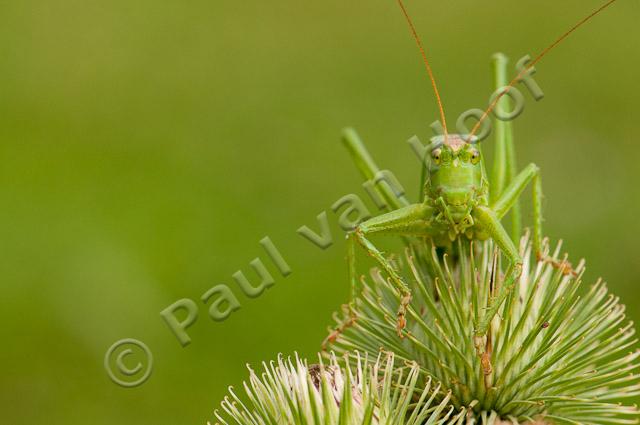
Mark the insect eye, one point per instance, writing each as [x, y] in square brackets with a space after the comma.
[475, 156]
[436, 155]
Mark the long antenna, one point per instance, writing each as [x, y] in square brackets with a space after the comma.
[534, 62]
[427, 65]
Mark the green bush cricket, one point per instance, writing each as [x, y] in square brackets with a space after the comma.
[459, 200]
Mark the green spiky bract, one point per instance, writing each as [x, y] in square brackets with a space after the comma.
[555, 353]
[351, 393]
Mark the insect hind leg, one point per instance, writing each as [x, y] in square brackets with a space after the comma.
[412, 220]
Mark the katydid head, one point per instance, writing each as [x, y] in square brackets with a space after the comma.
[455, 171]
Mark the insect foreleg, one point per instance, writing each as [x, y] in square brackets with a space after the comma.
[412, 220]
[510, 196]
[490, 222]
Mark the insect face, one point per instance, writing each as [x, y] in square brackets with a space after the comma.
[455, 172]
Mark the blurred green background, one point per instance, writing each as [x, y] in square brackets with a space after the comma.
[147, 146]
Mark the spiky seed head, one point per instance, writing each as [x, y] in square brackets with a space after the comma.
[557, 352]
[353, 392]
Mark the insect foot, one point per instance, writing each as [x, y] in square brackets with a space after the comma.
[563, 265]
[487, 369]
[341, 328]
[402, 313]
